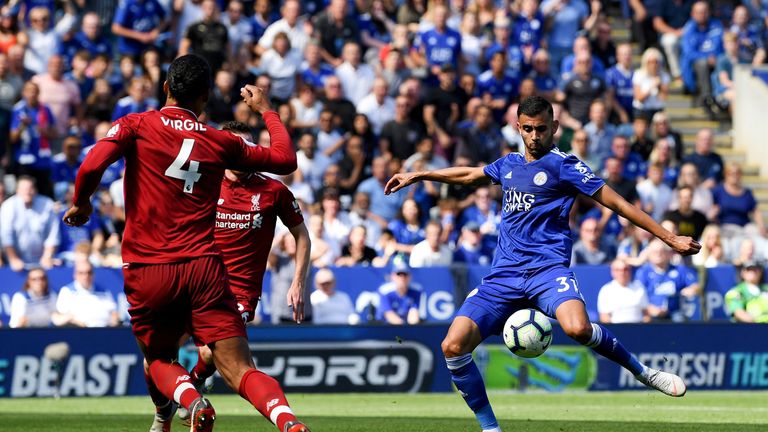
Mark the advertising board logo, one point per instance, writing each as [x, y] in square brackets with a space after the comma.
[361, 366]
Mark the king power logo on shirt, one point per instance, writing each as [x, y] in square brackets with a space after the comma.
[515, 201]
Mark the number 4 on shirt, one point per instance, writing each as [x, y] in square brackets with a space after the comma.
[190, 176]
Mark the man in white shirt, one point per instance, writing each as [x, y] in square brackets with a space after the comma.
[430, 252]
[622, 300]
[83, 304]
[298, 30]
[356, 77]
[377, 106]
[328, 305]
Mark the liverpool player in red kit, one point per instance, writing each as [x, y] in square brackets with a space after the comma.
[175, 281]
[248, 208]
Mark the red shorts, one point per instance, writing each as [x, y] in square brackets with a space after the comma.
[169, 300]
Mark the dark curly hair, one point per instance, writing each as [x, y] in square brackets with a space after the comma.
[189, 77]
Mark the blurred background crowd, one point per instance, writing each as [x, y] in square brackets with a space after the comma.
[368, 88]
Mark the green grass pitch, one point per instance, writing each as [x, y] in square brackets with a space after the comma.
[539, 412]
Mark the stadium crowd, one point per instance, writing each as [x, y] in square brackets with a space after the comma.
[368, 88]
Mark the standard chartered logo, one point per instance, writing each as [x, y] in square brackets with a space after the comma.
[517, 201]
[239, 220]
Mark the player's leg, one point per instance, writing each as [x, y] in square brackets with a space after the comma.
[158, 324]
[574, 320]
[164, 407]
[233, 360]
[217, 323]
[462, 338]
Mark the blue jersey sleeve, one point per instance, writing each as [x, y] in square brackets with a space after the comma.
[494, 170]
[575, 175]
[122, 15]
[385, 305]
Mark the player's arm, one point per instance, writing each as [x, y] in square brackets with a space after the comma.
[108, 150]
[466, 176]
[280, 157]
[609, 198]
[295, 296]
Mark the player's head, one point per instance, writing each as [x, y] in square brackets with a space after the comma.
[188, 82]
[243, 131]
[536, 123]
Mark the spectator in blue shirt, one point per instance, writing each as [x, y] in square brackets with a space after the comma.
[382, 205]
[751, 46]
[618, 80]
[528, 28]
[65, 166]
[736, 207]
[408, 228]
[546, 83]
[439, 45]
[600, 132]
[581, 45]
[518, 62]
[470, 248]
[485, 212]
[568, 17]
[497, 86]
[32, 130]
[632, 163]
[701, 43]
[138, 23]
[670, 288]
[708, 163]
[399, 299]
[89, 38]
[136, 101]
[29, 229]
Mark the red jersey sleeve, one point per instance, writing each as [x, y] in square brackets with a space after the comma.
[279, 158]
[287, 208]
[106, 151]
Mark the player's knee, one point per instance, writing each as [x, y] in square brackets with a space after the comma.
[206, 354]
[579, 331]
[451, 348]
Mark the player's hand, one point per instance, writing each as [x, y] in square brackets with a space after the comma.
[255, 98]
[78, 215]
[295, 299]
[399, 181]
[685, 245]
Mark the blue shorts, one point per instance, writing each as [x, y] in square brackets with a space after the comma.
[493, 301]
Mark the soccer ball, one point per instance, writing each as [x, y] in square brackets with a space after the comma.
[527, 333]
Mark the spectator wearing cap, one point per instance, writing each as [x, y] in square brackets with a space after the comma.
[748, 301]
[589, 249]
[330, 306]
[84, 304]
[622, 300]
[65, 165]
[470, 248]
[399, 299]
[431, 252]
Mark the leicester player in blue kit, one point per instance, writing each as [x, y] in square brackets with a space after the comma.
[531, 265]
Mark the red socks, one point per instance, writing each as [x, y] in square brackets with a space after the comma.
[173, 381]
[202, 370]
[265, 394]
[158, 398]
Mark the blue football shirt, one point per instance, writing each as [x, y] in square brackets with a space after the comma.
[537, 198]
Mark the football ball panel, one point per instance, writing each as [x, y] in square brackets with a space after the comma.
[527, 333]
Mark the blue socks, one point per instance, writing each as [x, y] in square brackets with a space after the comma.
[605, 343]
[466, 376]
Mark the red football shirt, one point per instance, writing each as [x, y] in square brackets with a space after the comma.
[173, 171]
[245, 226]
